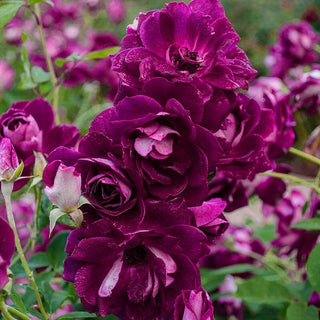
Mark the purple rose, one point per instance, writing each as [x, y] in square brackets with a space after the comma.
[162, 144]
[305, 92]
[135, 276]
[116, 192]
[270, 189]
[230, 190]
[63, 185]
[269, 92]
[241, 136]
[7, 248]
[209, 217]
[30, 127]
[194, 42]
[295, 47]
[193, 305]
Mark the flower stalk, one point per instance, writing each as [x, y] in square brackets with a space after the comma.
[6, 188]
[293, 179]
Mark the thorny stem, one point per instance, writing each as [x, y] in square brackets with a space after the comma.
[54, 80]
[292, 178]
[6, 188]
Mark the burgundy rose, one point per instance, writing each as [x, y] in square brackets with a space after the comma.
[30, 127]
[230, 190]
[209, 217]
[269, 92]
[135, 276]
[305, 93]
[184, 42]
[193, 305]
[241, 136]
[115, 192]
[162, 143]
[295, 47]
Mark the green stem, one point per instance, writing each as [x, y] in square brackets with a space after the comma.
[304, 155]
[4, 310]
[6, 188]
[292, 178]
[38, 196]
[49, 64]
[18, 313]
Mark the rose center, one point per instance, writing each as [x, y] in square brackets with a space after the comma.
[184, 59]
[135, 256]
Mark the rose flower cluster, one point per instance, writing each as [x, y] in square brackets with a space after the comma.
[145, 165]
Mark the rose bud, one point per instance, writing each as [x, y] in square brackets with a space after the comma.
[193, 305]
[63, 185]
[9, 163]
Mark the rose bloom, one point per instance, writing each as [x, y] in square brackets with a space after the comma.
[162, 143]
[241, 135]
[135, 276]
[269, 92]
[194, 42]
[30, 127]
[295, 47]
[116, 192]
[305, 92]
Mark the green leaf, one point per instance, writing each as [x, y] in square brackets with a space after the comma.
[100, 54]
[237, 268]
[312, 313]
[39, 75]
[301, 290]
[308, 224]
[18, 302]
[73, 57]
[266, 233]
[313, 267]
[24, 37]
[112, 317]
[260, 291]
[55, 250]
[76, 314]
[26, 82]
[38, 260]
[300, 311]
[41, 1]
[8, 10]
[54, 215]
[57, 299]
